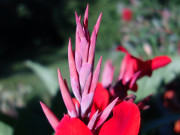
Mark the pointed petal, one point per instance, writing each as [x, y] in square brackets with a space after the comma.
[93, 120]
[86, 104]
[133, 80]
[78, 61]
[106, 113]
[72, 67]
[83, 74]
[160, 61]
[125, 120]
[123, 67]
[78, 40]
[87, 85]
[129, 72]
[86, 17]
[107, 74]
[96, 27]
[72, 126]
[122, 49]
[75, 88]
[96, 76]
[53, 120]
[84, 48]
[65, 94]
[101, 99]
[79, 26]
[73, 73]
[92, 48]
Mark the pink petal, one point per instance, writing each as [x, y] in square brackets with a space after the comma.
[125, 120]
[93, 120]
[72, 67]
[107, 74]
[106, 113]
[87, 85]
[84, 73]
[73, 72]
[123, 66]
[96, 76]
[79, 26]
[86, 104]
[78, 61]
[92, 48]
[101, 99]
[86, 17]
[72, 126]
[65, 94]
[96, 27]
[134, 79]
[53, 120]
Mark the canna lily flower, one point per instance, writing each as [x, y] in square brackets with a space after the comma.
[133, 68]
[79, 120]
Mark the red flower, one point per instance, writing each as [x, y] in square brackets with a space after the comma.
[125, 121]
[133, 68]
[127, 14]
[81, 119]
[101, 99]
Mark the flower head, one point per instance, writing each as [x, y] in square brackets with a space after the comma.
[132, 69]
[80, 119]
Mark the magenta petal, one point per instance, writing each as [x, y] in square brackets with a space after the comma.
[96, 27]
[86, 104]
[107, 74]
[53, 120]
[92, 48]
[106, 113]
[86, 17]
[79, 26]
[87, 85]
[65, 94]
[96, 76]
[101, 99]
[93, 120]
[84, 74]
[125, 120]
[72, 126]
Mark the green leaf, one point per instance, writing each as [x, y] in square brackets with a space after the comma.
[47, 75]
[5, 129]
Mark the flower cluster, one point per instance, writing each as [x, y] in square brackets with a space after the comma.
[99, 109]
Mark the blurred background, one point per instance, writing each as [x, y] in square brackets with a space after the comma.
[33, 43]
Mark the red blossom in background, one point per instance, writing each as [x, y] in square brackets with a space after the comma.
[132, 69]
[127, 14]
[82, 118]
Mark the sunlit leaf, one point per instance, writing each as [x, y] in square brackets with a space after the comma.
[47, 75]
[5, 129]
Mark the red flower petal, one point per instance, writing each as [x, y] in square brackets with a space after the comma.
[101, 99]
[72, 126]
[125, 120]
[160, 61]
